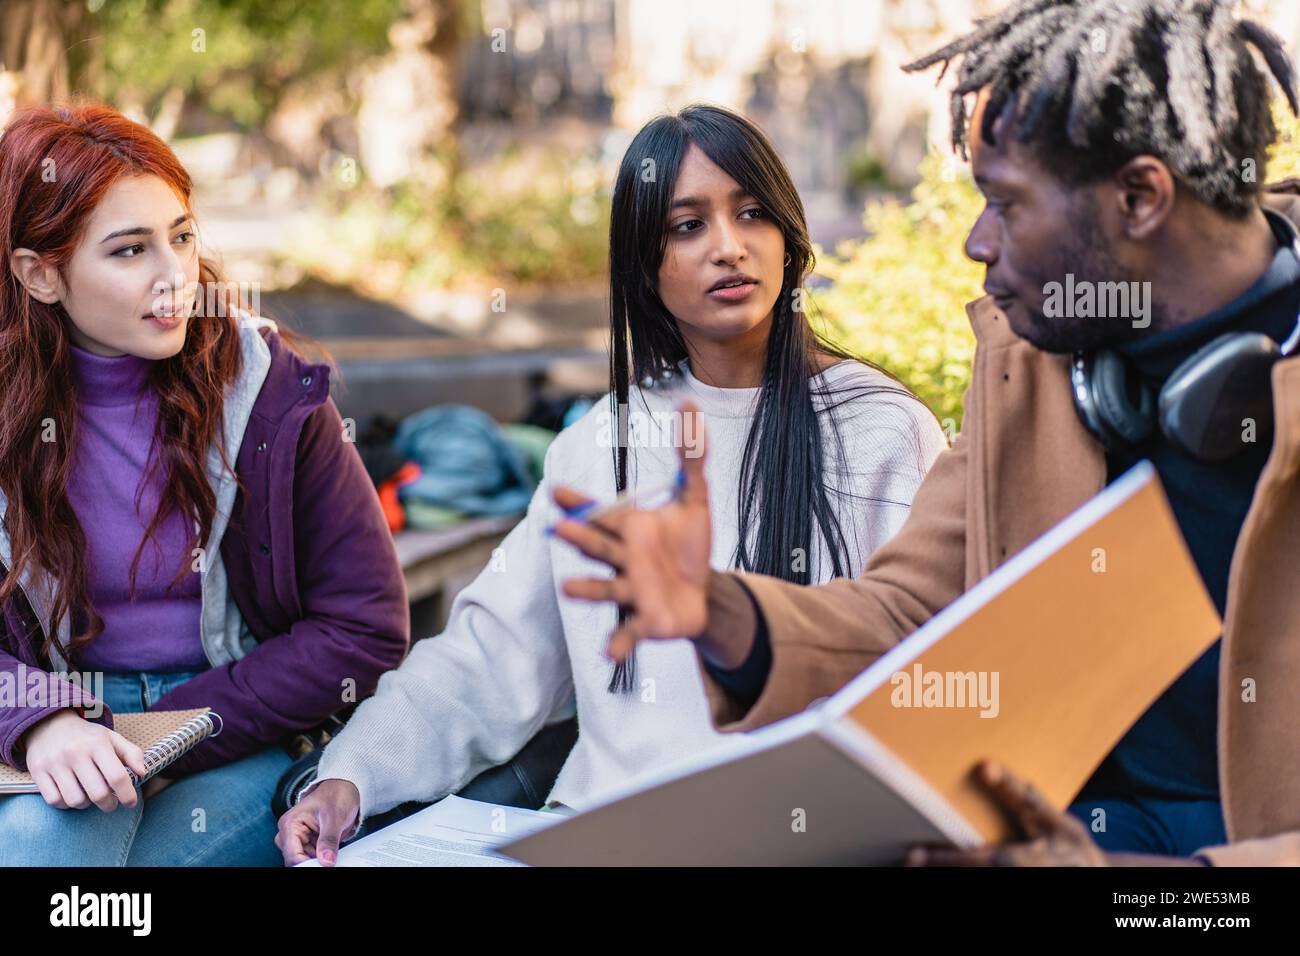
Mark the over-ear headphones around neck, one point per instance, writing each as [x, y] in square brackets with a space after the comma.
[1205, 407]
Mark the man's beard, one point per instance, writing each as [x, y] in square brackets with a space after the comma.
[1089, 260]
[1068, 334]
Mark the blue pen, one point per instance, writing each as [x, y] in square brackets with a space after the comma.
[594, 511]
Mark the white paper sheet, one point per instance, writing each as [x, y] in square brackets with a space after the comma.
[451, 832]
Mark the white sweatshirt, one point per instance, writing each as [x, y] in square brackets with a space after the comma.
[517, 654]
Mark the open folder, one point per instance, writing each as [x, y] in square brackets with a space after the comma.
[1042, 666]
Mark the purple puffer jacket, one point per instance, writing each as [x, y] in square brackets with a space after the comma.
[310, 565]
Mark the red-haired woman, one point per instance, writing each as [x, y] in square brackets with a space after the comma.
[183, 516]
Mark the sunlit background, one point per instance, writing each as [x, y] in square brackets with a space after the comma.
[424, 185]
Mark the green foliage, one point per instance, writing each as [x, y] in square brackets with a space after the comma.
[898, 296]
[250, 50]
[540, 218]
[1284, 157]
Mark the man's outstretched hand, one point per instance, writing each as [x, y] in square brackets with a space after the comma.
[660, 557]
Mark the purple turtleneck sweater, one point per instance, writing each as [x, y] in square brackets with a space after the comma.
[159, 630]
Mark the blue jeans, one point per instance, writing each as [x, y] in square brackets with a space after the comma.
[218, 817]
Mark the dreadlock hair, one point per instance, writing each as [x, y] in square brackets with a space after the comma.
[1097, 82]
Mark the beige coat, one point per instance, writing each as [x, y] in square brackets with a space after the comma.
[1023, 462]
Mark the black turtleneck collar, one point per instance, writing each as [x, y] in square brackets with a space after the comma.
[1270, 306]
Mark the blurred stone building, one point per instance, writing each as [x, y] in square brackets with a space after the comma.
[822, 77]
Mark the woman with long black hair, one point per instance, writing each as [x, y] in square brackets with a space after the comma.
[814, 458]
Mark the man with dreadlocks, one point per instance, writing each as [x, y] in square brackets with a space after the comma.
[1115, 142]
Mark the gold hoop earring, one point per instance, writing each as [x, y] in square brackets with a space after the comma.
[787, 259]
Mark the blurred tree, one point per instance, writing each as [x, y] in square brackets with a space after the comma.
[238, 56]
[40, 49]
[408, 100]
[899, 294]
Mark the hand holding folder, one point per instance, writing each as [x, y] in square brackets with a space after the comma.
[1042, 667]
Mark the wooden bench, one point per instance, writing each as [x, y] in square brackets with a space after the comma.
[437, 564]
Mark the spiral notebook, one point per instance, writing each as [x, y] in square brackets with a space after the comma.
[163, 735]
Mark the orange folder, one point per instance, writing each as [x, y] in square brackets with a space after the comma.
[1042, 667]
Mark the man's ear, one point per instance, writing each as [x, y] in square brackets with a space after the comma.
[38, 277]
[1144, 192]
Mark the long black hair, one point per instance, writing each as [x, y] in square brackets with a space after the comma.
[783, 497]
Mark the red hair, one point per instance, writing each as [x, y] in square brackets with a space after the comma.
[90, 147]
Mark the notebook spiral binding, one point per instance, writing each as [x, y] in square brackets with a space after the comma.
[180, 740]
